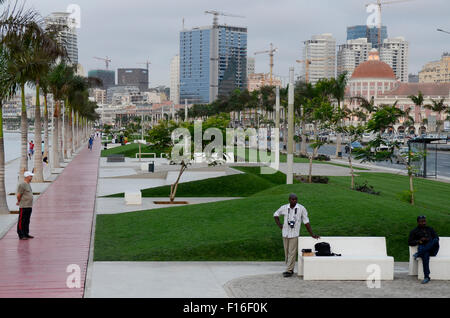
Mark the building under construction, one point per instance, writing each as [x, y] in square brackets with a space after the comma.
[213, 62]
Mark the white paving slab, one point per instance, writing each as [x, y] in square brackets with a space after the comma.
[170, 279]
[116, 172]
[117, 205]
[110, 186]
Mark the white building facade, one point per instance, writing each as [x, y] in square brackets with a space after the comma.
[395, 52]
[68, 36]
[175, 79]
[321, 52]
[351, 55]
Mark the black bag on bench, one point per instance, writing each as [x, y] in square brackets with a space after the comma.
[323, 249]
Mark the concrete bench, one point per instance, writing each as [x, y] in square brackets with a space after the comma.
[358, 253]
[133, 198]
[146, 154]
[439, 264]
[115, 158]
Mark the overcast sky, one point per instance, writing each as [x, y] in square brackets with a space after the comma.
[132, 31]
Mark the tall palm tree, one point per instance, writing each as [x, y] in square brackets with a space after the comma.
[418, 102]
[439, 107]
[58, 80]
[46, 50]
[13, 20]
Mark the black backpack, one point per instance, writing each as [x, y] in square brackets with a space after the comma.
[323, 249]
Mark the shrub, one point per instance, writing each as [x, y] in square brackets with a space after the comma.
[405, 196]
[366, 188]
[314, 179]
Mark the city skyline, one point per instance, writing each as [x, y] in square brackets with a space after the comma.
[132, 33]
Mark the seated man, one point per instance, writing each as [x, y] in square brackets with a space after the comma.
[428, 242]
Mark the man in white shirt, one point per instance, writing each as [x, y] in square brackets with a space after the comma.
[294, 214]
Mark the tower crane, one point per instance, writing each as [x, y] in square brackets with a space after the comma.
[147, 63]
[107, 60]
[379, 4]
[217, 13]
[271, 52]
[308, 62]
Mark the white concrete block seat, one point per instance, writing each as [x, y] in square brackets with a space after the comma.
[358, 255]
[439, 264]
[133, 197]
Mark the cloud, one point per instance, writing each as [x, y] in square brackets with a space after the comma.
[133, 31]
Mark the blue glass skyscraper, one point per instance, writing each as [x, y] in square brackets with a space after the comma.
[202, 76]
[371, 34]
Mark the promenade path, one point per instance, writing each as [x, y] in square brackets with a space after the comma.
[61, 223]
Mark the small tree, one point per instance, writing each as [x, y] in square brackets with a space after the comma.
[315, 146]
[174, 187]
[355, 134]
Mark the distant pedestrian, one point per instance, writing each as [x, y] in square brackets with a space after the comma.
[428, 241]
[25, 203]
[30, 149]
[294, 214]
[90, 143]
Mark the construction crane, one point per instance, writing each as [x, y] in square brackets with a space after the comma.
[217, 13]
[309, 61]
[379, 4]
[147, 64]
[106, 60]
[271, 52]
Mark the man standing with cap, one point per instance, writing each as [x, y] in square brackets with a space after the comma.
[25, 203]
[294, 214]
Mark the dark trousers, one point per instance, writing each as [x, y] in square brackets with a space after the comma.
[23, 224]
[425, 251]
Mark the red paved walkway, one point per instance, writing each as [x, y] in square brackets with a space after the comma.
[61, 223]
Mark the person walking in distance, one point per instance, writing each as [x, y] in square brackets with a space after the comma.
[25, 203]
[294, 214]
[31, 149]
[91, 140]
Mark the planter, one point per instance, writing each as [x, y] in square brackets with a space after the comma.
[168, 202]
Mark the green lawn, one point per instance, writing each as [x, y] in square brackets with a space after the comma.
[130, 150]
[238, 185]
[244, 229]
[283, 159]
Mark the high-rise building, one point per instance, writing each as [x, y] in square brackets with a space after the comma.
[68, 34]
[395, 52]
[371, 34]
[213, 62]
[107, 77]
[250, 66]
[133, 77]
[175, 79]
[437, 71]
[321, 51]
[352, 54]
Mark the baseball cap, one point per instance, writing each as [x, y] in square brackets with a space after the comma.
[28, 174]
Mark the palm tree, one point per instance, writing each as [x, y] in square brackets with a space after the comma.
[12, 21]
[45, 52]
[418, 102]
[439, 107]
[58, 79]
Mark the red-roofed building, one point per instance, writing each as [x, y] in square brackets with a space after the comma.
[376, 79]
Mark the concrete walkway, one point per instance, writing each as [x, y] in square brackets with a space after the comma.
[241, 280]
[61, 223]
